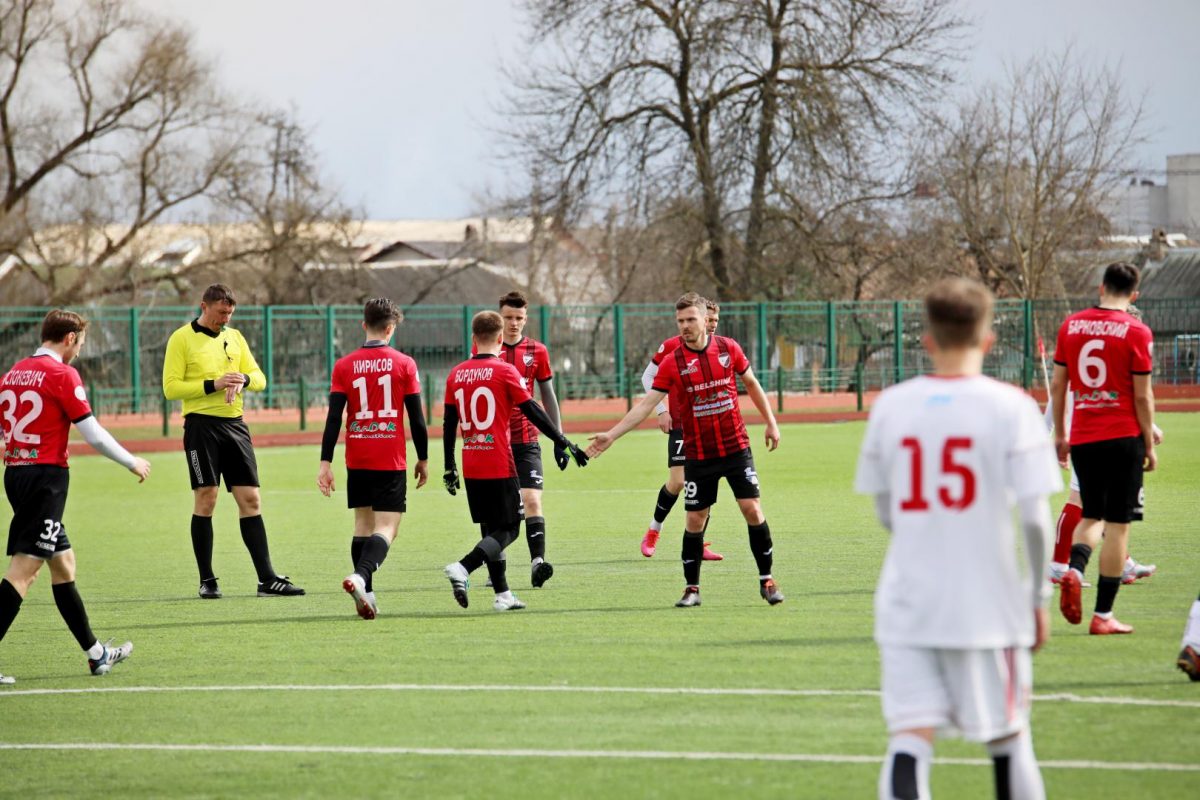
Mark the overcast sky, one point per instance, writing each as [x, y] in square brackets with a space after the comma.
[399, 94]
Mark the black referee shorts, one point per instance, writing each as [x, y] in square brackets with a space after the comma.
[377, 489]
[38, 496]
[495, 502]
[1110, 478]
[216, 447]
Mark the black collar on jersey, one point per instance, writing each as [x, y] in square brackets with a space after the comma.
[198, 328]
[375, 343]
[1106, 308]
[483, 355]
[514, 344]
[711, 338]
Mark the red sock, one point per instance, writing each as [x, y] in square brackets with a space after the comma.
[1068, 520]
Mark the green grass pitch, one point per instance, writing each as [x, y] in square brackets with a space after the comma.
[606, 619]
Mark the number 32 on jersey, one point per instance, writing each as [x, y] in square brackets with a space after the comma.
[955, 482]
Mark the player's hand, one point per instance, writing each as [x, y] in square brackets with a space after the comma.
[141, 468]
[421, 473]
[1063, 448]
[1151, 462]
[1156, 434]
[599, 443]
[325, 478]
[561, 457]
[772, 436]
[450, 480]
[580, 457]
[664, 422]
[1041, 628]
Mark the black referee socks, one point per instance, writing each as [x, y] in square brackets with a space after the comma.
[254, 535]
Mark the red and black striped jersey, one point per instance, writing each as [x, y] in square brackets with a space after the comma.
[703, 389]
[532, 361]
[486, 391]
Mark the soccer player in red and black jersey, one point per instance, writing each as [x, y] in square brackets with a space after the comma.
[366, 384]
[701, 378]
[1104, 356]
[532, 361]
[668, 423]
[40, 397]
[481, 394]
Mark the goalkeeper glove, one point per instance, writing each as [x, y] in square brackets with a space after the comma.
[561, 457]
[450, 480]
[580, 457]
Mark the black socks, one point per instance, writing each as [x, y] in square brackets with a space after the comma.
[374, 551]
[535, 537]
[10, 604]
[202, 545]
[1080, 554]
[70, 605]
[692, 555]
[1106, 593]
[356, 548]
[666, 501]
[254, 535]
[762, 547]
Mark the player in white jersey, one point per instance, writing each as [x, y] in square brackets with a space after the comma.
[945, 457]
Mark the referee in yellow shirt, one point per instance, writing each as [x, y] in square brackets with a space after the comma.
[207, 366]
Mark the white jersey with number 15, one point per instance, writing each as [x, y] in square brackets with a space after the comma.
[954, 454]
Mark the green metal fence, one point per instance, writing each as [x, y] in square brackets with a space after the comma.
[596, 351]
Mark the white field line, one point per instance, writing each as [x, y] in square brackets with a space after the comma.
[632, 755]
[652, 690]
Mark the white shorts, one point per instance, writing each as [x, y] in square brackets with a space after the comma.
[981, 695]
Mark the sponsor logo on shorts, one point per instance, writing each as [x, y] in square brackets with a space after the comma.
[751, 476]
[535, 477]
[194, 456]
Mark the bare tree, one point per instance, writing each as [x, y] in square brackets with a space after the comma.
[736, 105]
[108, 121]
[1025, 166]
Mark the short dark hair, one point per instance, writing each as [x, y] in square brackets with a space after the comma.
[690, 299]
[219, 293]
[712, 305]
[514, 299]
[958, 311]
[59, 322]
[1121, 278]
[486, 325]
[379, 312]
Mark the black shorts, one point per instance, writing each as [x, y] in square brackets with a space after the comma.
[675, 457]
[494, 501]
[528, 458]
[377, 489]
[701, 479]
[1110, 478]
[38, 496]
[216, 446]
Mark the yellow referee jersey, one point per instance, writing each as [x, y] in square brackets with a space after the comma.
[196, 357]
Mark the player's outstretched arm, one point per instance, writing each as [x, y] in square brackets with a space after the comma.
[538, 417]
[640, 410]
[333, 428]
[1039, 541]
[763, 404]
[449, 435]
[104, 444]
[562, 456]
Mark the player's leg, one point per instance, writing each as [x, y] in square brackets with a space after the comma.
[1134, 570]
[540, 569]
[692, 552]
[915, 704]
[101, 657]
[20, 575]
[1189, 652]
[496, 506]
[743, 480]
[505, 534]
[1089, 464]
[668, 493]
[1068, 520]
[990, 693]
[1122, 503]
[201, 450]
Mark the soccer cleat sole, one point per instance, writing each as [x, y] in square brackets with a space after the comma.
[460, 595]
[1070, 603]
[1189, 662]
[361, 604]
[541, 573]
